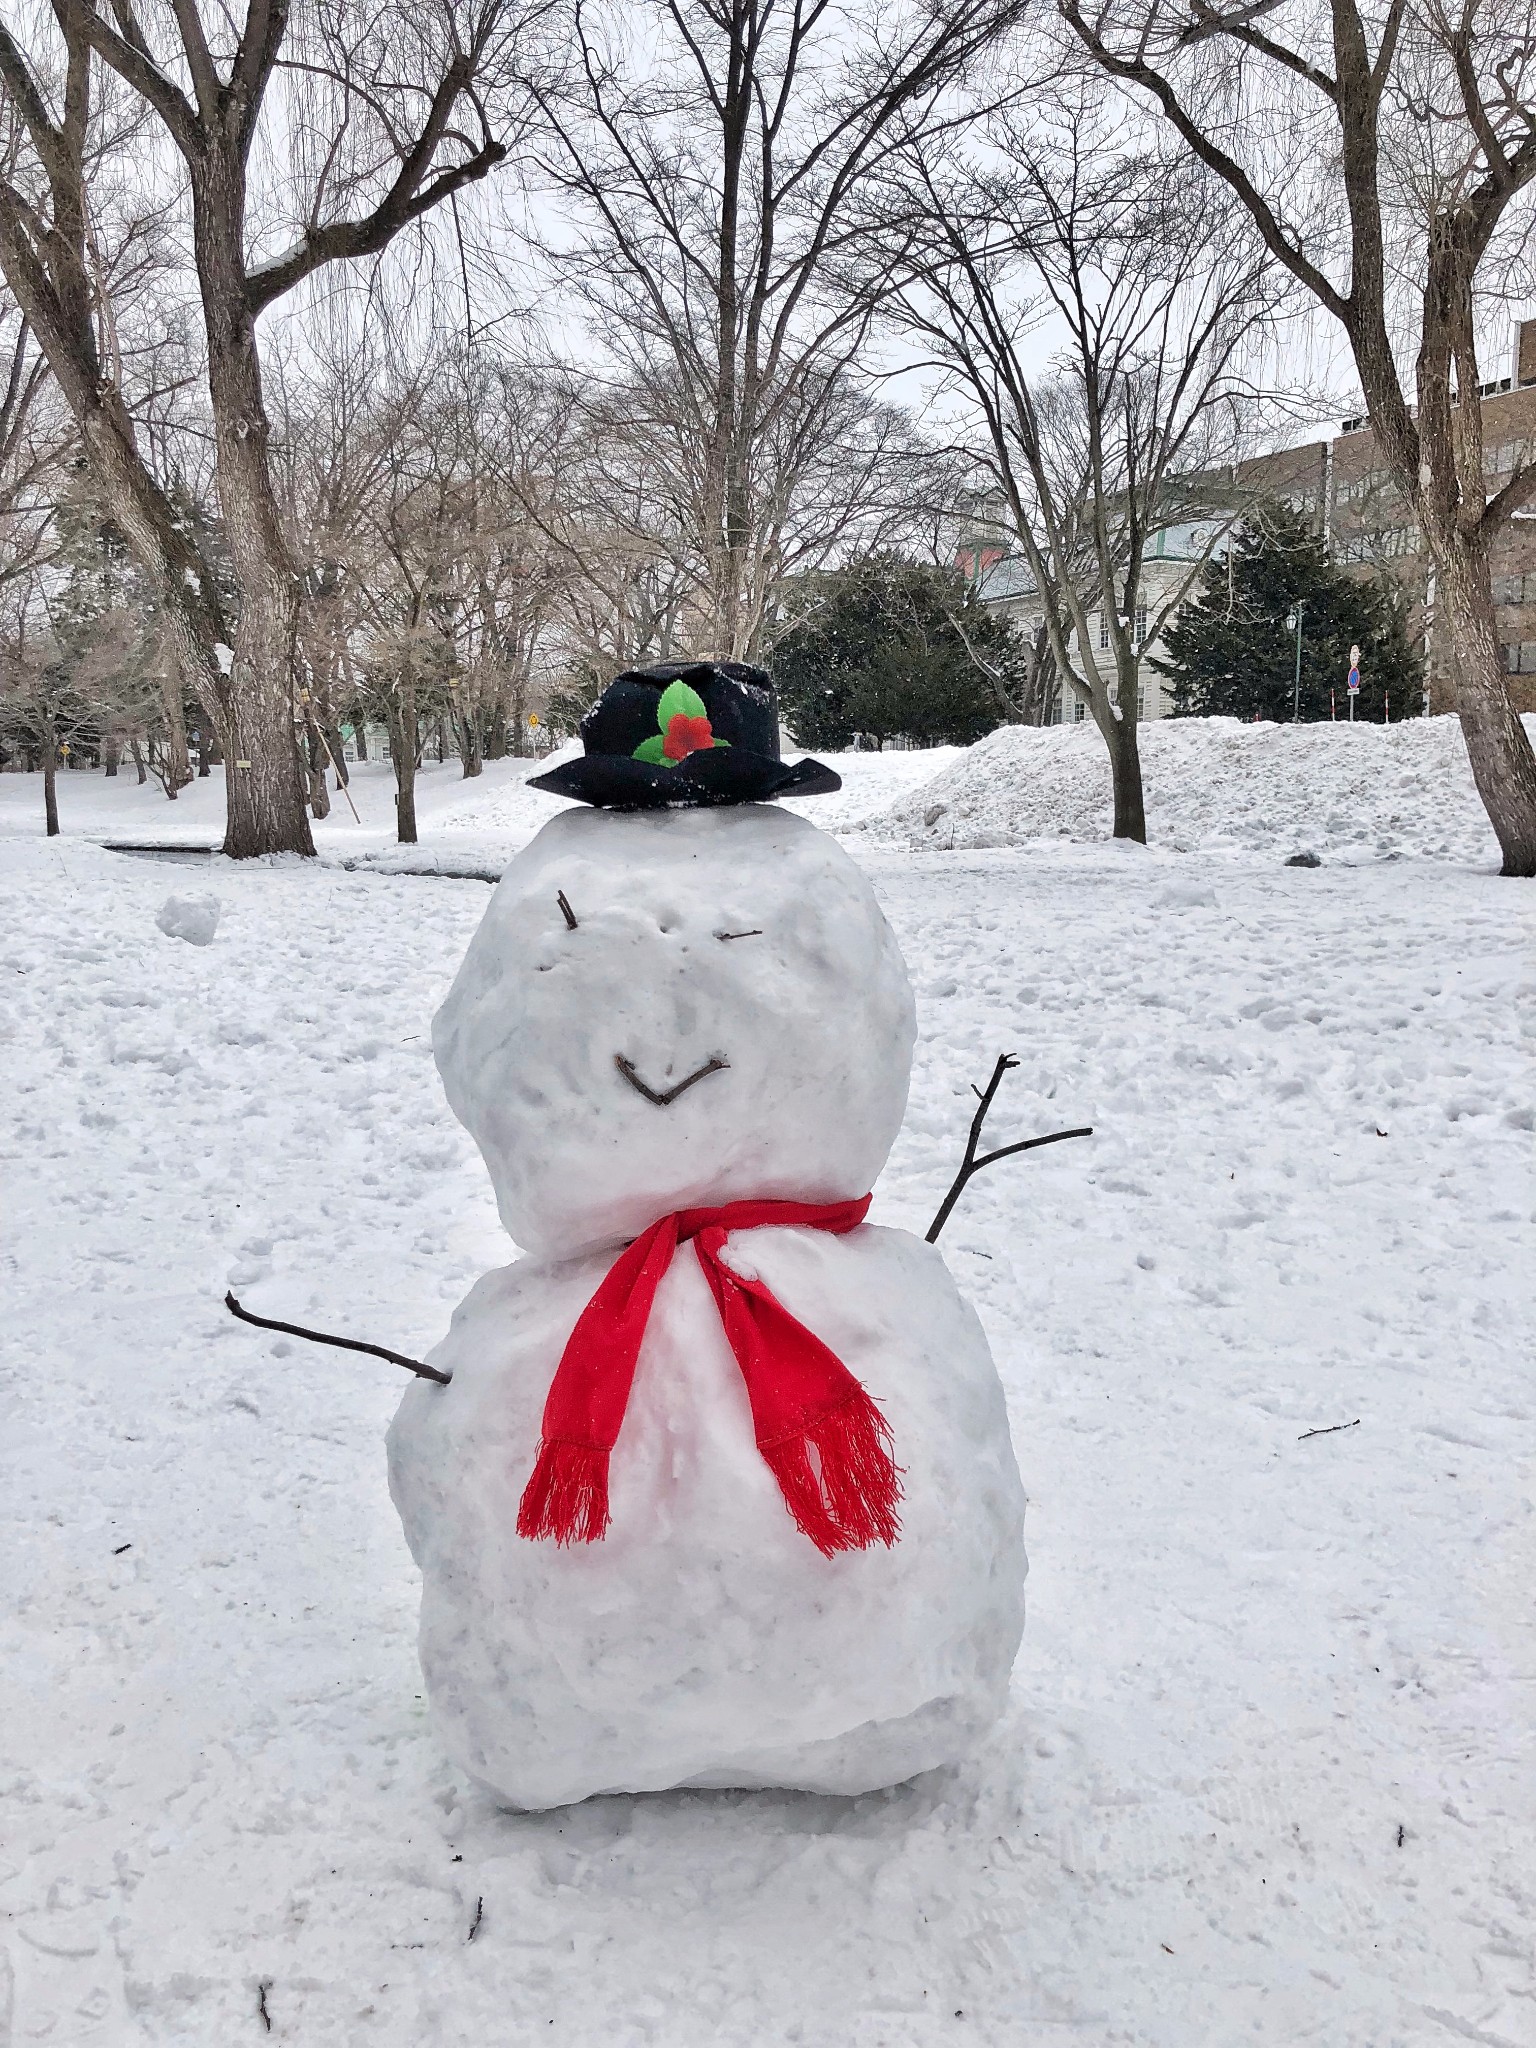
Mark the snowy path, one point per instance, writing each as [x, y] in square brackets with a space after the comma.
[1269, 1775]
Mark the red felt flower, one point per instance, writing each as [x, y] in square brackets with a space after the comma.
[685, 736]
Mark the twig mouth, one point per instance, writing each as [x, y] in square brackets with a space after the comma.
[661, 1100]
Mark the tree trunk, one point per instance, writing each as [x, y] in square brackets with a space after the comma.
[111, 753]
[403, 742]
[138, 760]
[178, 765]
[50, 784]
[468, 730]
[360, 739]
[1497, 747]
[263, 770]
[319, 795]
[338, 755]
[203, 750]
[1041, 689]
[1122, 739]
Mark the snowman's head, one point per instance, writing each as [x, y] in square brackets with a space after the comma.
[740, 946]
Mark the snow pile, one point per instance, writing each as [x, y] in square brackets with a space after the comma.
[193, 918]
[1364, 791]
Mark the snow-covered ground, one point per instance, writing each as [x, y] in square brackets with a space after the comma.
[484, 819]
[120, 808]
[1269, 1772]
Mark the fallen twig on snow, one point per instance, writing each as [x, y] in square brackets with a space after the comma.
[474, 1925]
[1332, 1430]
[971, 1164]
[425, 1372]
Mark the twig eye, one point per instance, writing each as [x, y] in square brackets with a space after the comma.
[565, 910]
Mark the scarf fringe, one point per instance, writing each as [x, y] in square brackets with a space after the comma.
[852, 1503]
[567, 1497]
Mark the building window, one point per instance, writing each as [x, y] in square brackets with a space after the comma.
[1505, 458]
[1141, 700]
[1103, 629]
[1141, 625]
[1520, 660]
[1079, 711]
[1514, 589]
[1379, 545]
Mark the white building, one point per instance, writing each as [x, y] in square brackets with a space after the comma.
[1171, 562]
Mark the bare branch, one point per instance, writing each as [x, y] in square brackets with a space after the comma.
[424, 1372]
[971, 1165]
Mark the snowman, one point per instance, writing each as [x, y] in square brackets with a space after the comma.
[720, 1490]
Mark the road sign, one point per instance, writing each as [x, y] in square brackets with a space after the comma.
[1354, 679]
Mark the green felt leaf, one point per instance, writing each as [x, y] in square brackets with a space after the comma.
[678, 701]
[650, 750]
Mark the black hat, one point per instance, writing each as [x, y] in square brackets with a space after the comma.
[685, 732]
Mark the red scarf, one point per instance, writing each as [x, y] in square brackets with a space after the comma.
[801, 1393]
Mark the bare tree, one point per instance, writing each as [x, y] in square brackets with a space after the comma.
[1116, 442]
[600, 470]
[339, 401]
[111, 637]
[715, 149]
[35, 434]
[381, 114]
[407, 477]
[47, 703]
[501, 575]
[1381, 149]
[582, 462]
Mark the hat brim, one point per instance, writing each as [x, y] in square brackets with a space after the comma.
[714, 775]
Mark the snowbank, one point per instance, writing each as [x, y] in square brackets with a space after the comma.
[1362, 790]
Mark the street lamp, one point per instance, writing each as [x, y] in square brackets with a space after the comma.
[1293, 622]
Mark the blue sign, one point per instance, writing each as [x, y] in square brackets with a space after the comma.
[1354, 679]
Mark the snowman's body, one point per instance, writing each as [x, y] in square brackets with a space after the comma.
[705, 1640]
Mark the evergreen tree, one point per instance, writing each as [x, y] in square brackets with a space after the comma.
[888, 647]
[1231, 653]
